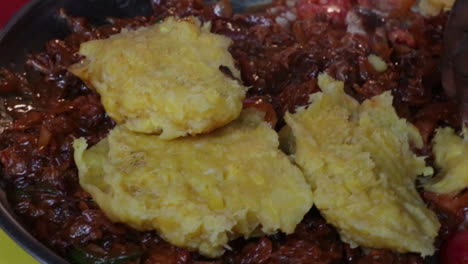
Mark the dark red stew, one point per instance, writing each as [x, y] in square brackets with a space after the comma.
[280, 52]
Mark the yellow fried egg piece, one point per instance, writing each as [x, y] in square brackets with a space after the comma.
[434, 7]
[359, 163]
[164, 79]
[451, 156]
[198, 192]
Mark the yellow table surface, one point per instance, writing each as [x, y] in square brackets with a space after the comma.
[11, 253]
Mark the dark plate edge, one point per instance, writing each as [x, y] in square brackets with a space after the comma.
[8, 223]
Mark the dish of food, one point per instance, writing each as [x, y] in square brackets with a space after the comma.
[303, 132]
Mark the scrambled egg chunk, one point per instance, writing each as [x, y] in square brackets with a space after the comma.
[451, 156]
[198, 192]
[434, 7]
[358, 161]
[164, 79]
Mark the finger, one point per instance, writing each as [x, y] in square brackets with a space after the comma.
[459, 18]
[458, 22]
[448, 80]
[460, 76]
[456, 30]
[463, 104]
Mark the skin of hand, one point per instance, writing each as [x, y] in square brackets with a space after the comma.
[455, 58]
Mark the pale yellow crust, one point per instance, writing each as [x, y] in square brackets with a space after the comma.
[359, 163]
[164, 79]
[198, 192]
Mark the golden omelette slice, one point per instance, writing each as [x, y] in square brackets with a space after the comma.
[358, 161]
[164, 79]
[434, 7]
[451, 156]
[198, 192]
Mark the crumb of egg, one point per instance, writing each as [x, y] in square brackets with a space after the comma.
[434, 7]
[377, 63]
[451, 156]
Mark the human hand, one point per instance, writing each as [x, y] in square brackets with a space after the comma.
[455, 58]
